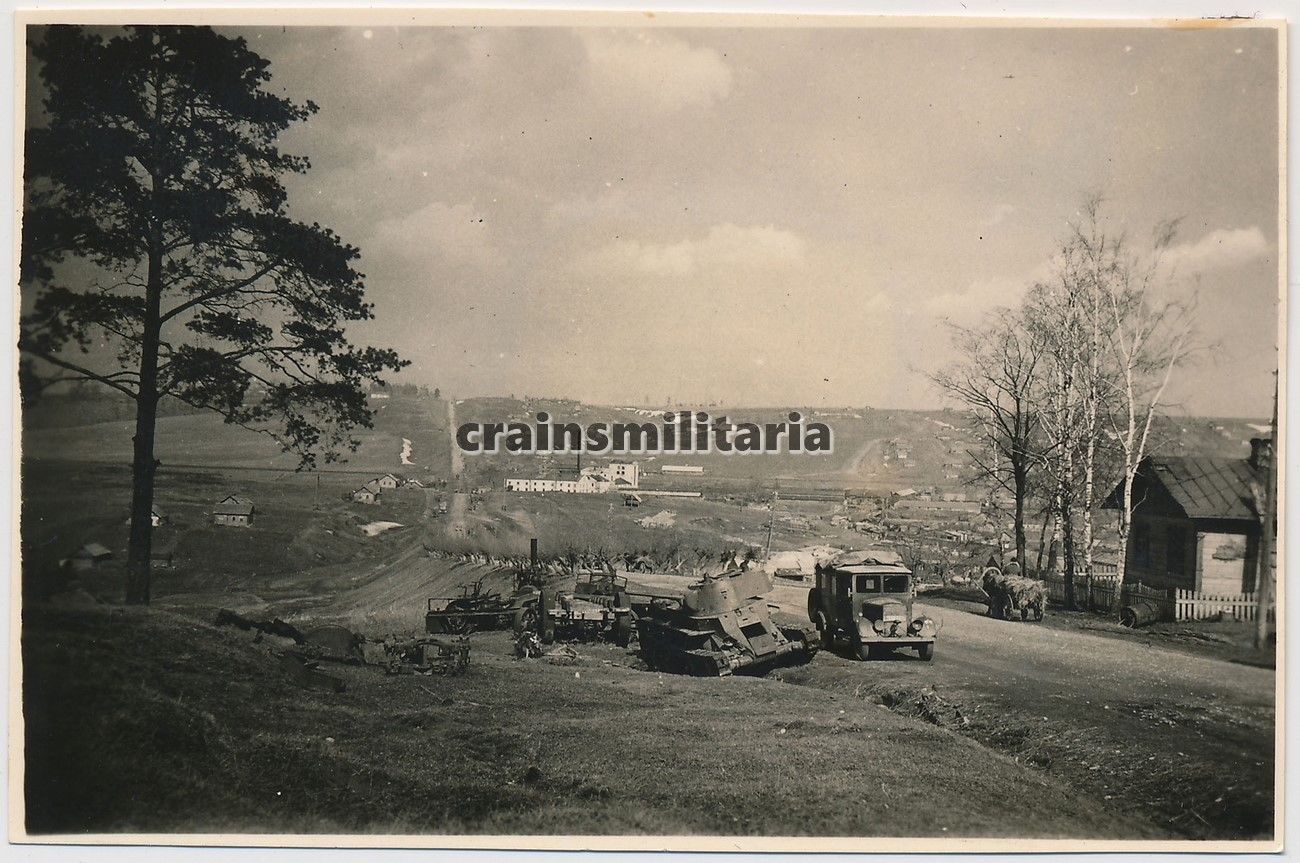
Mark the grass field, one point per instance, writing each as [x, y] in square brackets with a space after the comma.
[153, 721]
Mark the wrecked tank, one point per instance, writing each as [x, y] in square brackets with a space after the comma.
[720, 626]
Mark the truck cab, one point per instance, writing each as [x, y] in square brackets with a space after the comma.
[865, 599]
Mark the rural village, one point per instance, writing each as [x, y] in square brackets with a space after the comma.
[1042, 608]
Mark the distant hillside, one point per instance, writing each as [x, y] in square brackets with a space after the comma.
[875, 451]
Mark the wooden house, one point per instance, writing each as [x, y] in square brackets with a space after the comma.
[1195, 525]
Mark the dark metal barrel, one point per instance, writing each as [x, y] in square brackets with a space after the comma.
[1139, 612]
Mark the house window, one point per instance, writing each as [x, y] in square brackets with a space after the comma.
[1141, 545]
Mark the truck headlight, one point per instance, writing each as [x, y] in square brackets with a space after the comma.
[923, 626]
[878, 626]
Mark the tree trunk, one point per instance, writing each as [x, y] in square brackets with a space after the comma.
[1267, 520]
[1089, 470]
[1021, 542]
[1067, 551]
[143, 467]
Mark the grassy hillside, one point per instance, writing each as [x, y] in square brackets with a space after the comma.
[155, 722]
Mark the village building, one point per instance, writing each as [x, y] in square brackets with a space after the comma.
[589, 480]
[157, 518]
[387, 482]
[88, 557]
[1195, 525]
[367, 494]
[694, 469]
[233, 511]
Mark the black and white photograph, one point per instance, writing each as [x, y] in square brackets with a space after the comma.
[649, 431]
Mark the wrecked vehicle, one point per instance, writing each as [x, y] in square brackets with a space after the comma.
[598, 608]
[865, 599]
[721, 625]
[476, 609]
[1014, 595]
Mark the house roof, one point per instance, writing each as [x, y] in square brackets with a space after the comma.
[1206, 487]
[233, 506]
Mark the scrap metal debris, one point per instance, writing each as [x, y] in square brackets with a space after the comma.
[426, 655]
[226, 617]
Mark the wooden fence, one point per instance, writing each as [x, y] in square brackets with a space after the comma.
[1192, 605]
[1173, 603]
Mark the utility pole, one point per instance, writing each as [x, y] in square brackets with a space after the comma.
[771, 519]
[1267, 516]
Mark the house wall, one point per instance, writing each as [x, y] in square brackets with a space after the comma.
[1227, 562]
[1162, 551]
[231, 520]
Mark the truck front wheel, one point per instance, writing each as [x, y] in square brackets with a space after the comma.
[926, 652]
[865, 651]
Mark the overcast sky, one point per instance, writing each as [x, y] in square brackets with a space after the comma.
[773, 216]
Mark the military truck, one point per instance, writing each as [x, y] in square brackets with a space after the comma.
[864, 598]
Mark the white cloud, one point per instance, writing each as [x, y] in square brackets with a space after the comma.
[1225, 247]
[726, 246]
[453, 233]
[999, 213]
[656, 70]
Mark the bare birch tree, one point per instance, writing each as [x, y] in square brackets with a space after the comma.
[996, 381]
[1148, 330]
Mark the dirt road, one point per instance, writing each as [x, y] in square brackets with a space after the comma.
[1187, 738]
[457, 457]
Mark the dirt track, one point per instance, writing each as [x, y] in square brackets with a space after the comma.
[1188, 737]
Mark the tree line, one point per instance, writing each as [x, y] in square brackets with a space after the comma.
[1065, 387]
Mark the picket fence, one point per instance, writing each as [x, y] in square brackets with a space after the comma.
[1173, 603]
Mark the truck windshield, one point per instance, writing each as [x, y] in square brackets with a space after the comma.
[896, 584]
[881, 584]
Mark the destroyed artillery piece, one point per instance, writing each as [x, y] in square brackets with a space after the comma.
[596, 608]
[720, 626]
[474, 610]
[1009, 595]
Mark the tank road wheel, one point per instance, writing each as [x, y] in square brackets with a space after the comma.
[546, 628]
[525, 619]
[926, 652]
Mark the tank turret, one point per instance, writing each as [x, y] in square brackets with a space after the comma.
[721, 625]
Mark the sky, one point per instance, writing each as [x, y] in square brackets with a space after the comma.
[774, 216]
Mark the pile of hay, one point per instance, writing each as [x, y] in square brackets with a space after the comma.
[1009, 594]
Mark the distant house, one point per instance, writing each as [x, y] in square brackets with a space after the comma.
[1195, 525]
[413, 483]
[367, 494]
[162, 556]
[157, 518]
[386, 482]
[682, 468]
[89, 556]
[233, 511]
